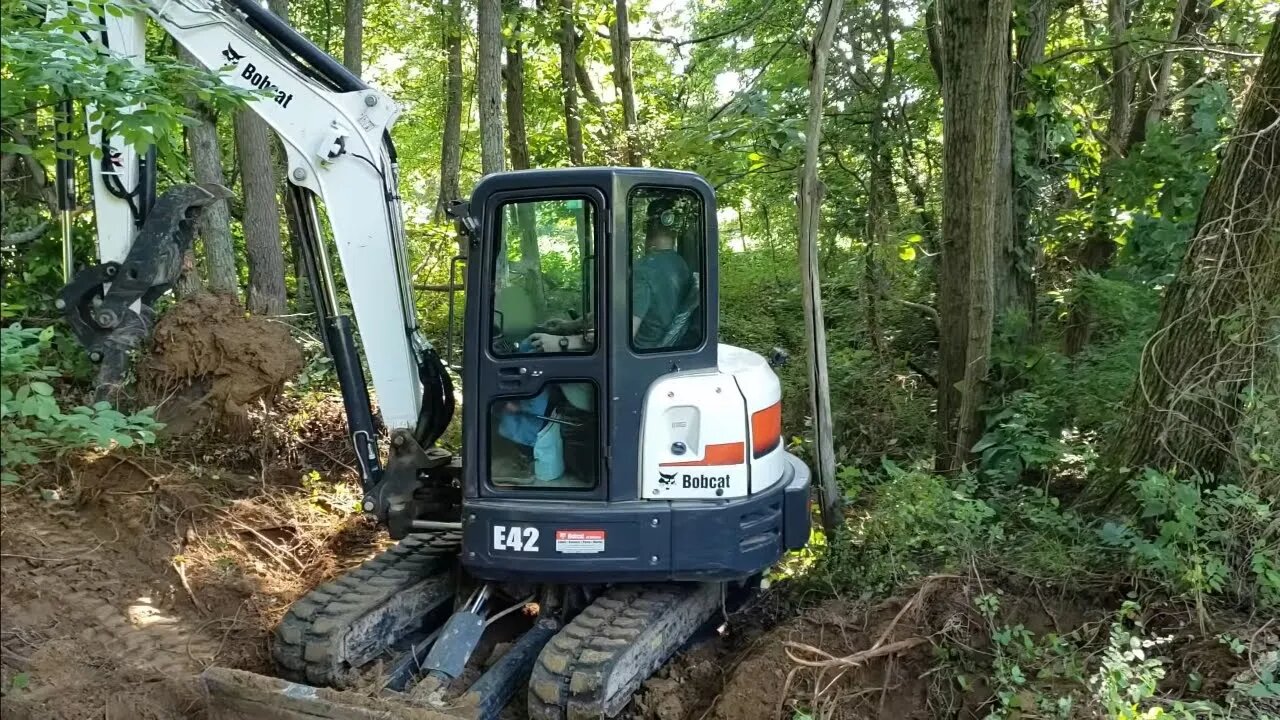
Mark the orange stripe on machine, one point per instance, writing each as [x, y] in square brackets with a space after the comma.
[734, 453]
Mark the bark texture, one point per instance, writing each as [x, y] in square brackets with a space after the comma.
[974, 59]
[811, 285]
[620, 43]
[261, 215]
[569, 83]
[353, 35]
[451, 142]
[1217, 330]
[214, 227]
[489, 85]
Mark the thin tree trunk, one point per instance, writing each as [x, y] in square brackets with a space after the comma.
[489, 84]
[353, 35]
[518, 148]
[815, 328]
[569, 84]
[975, 56]
[214, 225]
[261, 215]
[451, 142]
[1017, 250]
[1217, 330]
[1100, 246]
[1160, 95]
[620, 42]
[881, 200]
[584, 81]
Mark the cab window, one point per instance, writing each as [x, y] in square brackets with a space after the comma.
[543, 277]
[667, 234]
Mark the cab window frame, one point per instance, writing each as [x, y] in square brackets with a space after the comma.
[698, 269]
[588, 264]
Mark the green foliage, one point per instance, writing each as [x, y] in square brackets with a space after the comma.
[1201, 539]
[33, 422]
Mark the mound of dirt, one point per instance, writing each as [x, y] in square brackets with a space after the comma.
[207, 350]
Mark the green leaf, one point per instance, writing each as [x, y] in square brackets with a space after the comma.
[42, 388]
[21, 681]
[907, 253]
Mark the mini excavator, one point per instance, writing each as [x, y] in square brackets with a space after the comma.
[623, 476]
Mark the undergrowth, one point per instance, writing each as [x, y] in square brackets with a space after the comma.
[32, 416]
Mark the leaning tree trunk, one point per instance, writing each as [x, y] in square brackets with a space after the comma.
[974, 56]
[353, 35]
[451, 142]
[489, 84]
[1218, 322]
[214, 225]
[620, 42]
[569, 84]
[811, 285]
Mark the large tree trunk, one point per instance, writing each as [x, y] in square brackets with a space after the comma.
[353, 35]
[974, 56]
[261, 214]
[620, 42]
[259, 178]
[1218, 319]
[569, 84]
[811, 285]
[451, 142]
[489, 84]
[214, 226]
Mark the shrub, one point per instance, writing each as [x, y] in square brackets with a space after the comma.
[32, 419]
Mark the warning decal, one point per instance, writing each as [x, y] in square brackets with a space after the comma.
[580, 541]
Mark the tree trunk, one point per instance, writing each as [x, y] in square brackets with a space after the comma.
[451, 142]
[881, 200]
[214, 227]
[569, 84]
[815, 328]
[489, 84]
[620, 42]
[1017, 250]
[518, 148]
[353, 35]
[1217, 321]
[975, 56]
[1160, 95]
[1100, 246]
[261, 215]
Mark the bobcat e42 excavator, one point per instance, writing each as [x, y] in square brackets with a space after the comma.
[623, 476]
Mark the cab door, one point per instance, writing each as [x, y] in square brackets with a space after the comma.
[537, 401]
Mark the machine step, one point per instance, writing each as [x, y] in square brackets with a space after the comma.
[592, 666]
[329, 634]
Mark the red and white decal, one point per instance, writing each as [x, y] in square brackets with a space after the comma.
[580, 541]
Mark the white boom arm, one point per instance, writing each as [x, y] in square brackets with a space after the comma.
[335, 147]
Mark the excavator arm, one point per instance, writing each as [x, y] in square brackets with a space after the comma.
[334, 129]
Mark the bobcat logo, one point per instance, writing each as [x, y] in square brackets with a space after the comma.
[665, 479]
[232, 57]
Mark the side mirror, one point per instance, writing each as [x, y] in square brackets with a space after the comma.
[778, 357]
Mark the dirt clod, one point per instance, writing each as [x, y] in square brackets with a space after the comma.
[207, 350]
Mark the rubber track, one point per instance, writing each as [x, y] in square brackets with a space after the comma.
[571, 677]
[309, 642]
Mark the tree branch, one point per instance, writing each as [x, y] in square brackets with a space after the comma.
[23, 236]
[673, 42]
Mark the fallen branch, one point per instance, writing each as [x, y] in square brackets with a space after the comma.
[827, 660]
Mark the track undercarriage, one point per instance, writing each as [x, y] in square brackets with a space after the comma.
[394, 638]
